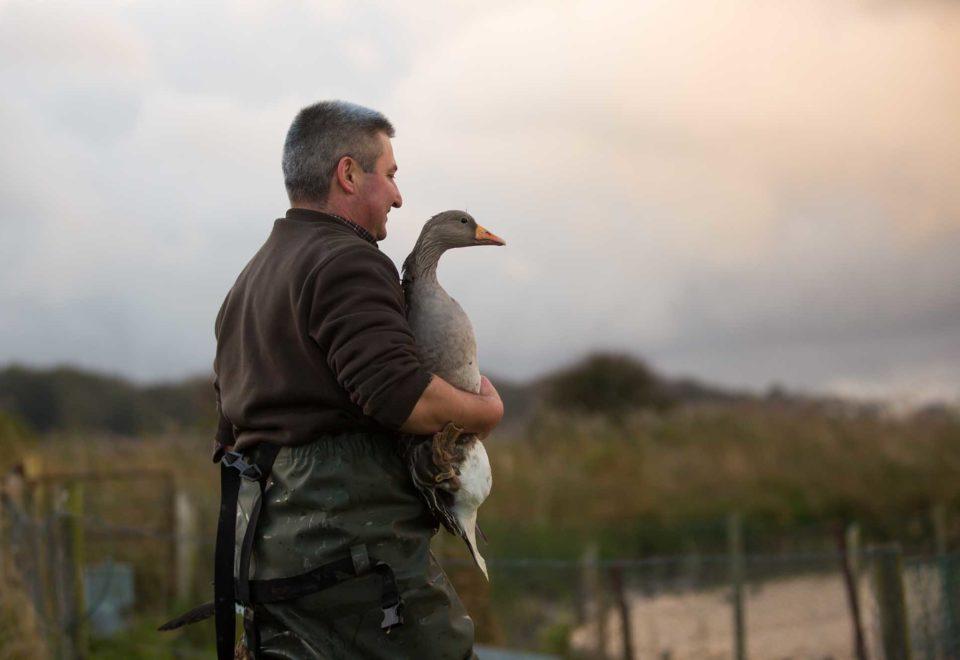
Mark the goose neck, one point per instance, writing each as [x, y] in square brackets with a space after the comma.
[427, 255]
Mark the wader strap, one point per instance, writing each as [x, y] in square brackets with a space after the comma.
[289, 588]
[266, 455]
[297, 586]
[223, 590]
[233, 466]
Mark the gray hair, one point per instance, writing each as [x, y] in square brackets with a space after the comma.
[320, 135]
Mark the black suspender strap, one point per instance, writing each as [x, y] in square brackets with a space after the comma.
[223, 588]
[233, 466]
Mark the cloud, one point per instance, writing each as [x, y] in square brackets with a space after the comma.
[694, 174]
[742, 190]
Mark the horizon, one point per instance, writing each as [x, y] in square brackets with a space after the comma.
[895, 405]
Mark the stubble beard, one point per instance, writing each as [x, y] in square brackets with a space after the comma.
[383, 228]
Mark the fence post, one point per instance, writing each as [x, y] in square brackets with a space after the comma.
[58, 588]
[626, 630]
[4, 541]
[949, 584]
[46, 546]
[595, 605]
[849, 540]
[735, 551]
[891, 599]
[185, 537]
[169, 489]
[73, 573]
[938, 517]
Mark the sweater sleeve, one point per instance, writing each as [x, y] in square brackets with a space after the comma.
[224, 434]
[357, 319]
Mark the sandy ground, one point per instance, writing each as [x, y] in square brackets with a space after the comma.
[800, 617]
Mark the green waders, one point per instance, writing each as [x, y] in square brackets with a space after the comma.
[348, 495]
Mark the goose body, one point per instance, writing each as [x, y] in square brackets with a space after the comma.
[451, 469]
[444, 334]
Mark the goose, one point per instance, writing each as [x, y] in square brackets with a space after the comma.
[450, 469]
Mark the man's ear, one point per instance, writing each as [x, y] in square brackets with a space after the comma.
[348, 174]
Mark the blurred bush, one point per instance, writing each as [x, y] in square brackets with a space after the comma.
[68, 398]
[609, 384]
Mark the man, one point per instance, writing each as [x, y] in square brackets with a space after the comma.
[315, 357]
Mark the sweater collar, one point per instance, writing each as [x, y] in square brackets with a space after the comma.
[310, 214]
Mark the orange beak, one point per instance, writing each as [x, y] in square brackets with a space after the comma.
[488, 237]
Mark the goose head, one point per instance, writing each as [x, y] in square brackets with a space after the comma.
[453, 229]
[450, 229]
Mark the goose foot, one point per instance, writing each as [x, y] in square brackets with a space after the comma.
[447, 454]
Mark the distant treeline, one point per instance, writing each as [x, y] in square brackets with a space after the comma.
[74, 399]
[611, 385]
[68, 398]
[605, 449]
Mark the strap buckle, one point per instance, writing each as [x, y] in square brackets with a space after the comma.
[392, 616]
[390, 600]
[237, 461]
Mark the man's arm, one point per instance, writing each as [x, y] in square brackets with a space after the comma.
[441, 403]
[356, 317]
[224, 435]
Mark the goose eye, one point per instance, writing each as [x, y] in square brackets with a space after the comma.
[463, 220]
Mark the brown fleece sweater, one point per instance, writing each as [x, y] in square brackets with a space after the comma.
[313, 338]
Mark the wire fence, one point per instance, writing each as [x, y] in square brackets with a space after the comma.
[89, 571]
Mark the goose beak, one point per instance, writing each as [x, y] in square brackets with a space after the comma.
[485, 237]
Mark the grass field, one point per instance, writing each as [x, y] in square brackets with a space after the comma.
[649, 483]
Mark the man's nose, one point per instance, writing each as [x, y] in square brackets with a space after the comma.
[397, 201]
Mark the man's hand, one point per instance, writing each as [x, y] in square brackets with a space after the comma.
[488, 390]
[441, 403]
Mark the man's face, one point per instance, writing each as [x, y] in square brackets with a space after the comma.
[379, 192]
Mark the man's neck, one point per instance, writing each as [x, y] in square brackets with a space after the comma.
[331, 207]
[361, 231]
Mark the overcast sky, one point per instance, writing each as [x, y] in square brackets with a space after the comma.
[747, 192]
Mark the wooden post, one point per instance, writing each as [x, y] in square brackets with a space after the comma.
[73, 536]
[949, 584]
[56, 586]
[45, 541]
[849, 542]
[594, 594]
[854, 551]
[168, 484]
[938, 516]
[735, 551]
[185, 537]
[5, 542]
[626, 631]
[31, 497]
[891, 601]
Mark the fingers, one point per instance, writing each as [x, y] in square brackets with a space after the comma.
[486, 387]
[489, 392]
